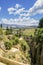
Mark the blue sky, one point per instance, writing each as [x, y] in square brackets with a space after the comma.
[22, 12]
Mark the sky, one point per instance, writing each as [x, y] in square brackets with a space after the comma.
[21, 12]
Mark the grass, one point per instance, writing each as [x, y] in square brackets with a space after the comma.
[28, 32]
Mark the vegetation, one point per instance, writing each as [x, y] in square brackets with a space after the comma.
[23, 45]
[8, 45]
[1, 31]
[36, 43]
[27, 44]
[15, 41]
[41, 23]
[8, 31]
[19, 33]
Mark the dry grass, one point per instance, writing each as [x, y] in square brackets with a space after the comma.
[29, 31]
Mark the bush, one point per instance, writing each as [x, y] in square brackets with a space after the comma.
[15, 40]
[8, 45]
[24, 45]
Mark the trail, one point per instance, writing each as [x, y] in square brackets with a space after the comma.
[2, 63]
[21, 38]
[10, 62]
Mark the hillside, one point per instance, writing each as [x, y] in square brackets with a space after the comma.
[11, 47]
[16, 45]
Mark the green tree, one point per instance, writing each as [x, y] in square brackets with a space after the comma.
[41, 23]
[9, 30]
[0, 25]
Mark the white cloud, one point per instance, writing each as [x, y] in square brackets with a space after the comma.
[21, 21]
[19, 11]
[11, 9]
[24, 17]
[36, 9]
[0, 8]
[40, 11]
[17, 6]
[16, 10]
[7, 21]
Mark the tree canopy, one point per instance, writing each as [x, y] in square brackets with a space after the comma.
[41, 23]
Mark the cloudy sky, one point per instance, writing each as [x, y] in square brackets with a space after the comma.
[21, 12]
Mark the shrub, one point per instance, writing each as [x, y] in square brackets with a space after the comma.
[24, 45]
[15, 40]
[8, 45]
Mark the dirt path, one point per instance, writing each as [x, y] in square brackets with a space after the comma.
[20, 38]
[2, 63]
[13, 50]
[10, 62]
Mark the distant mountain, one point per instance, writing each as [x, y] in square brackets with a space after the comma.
[17, 26]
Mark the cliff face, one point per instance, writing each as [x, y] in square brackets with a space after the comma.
[41, 60]
[36, 47]
[37, 54]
